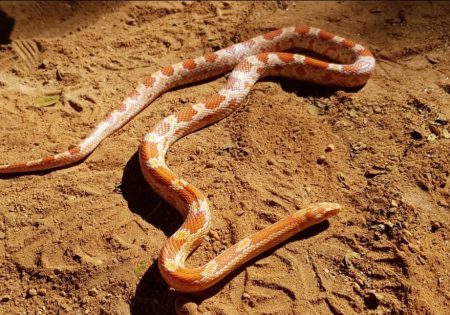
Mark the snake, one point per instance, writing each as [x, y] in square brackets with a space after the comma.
[269, 55]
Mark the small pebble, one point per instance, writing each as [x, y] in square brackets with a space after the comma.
[443, 203]
[93, 292]
[435, 130]
[131, 21]
[59, 74]
[214, 235]
[32, 292]
[432, 60]
[5, 298]
[377, 110]
[330, 148]
[270, 162]
[394, 203]
[199, 150]
[42, 292]
[372, 300]
[435, 226]
[245, 295]
[185, 307]
[321, 159]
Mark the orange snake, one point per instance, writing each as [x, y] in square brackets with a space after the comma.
[251, 60]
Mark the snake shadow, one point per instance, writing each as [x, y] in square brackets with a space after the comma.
[153, 296]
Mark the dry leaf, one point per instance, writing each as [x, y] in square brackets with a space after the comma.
[49, 100]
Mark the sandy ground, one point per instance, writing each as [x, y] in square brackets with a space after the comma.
[85, 239]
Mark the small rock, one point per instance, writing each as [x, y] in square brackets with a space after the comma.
[416, 134]
[199, 150]
[93, 292]
[59, 74]
[44, 64]
[443, 203]
[330, 148]
[245, 295]
[42, 292]
[32, 292]
[185, 307]
[435, 130]
[5, 298]
[394, 203]
[375, 11]
[321, 159]
[130, 21]
[441, 121]
[214, 235]
[270, 162]
[372, 300]
[432, 60]
[436, 225]
[377, 110]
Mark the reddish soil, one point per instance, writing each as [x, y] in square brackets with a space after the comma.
[85, 239]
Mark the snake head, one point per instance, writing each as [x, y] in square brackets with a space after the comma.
[317, 212]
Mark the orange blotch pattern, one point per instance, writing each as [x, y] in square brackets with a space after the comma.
[272, 35]
[134, 95]
[48, 159]
[211, 57]
[316, 63]
[122, 107]
[348, 43]
[325, 35]
[263, 57]
[189, 64]
[75, 150]
[214, 101]
[302, 29]
[186, 114]
[148, 82]
[148, 150]
[285, 57]
[168, 71]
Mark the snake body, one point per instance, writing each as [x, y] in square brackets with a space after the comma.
[249, 61]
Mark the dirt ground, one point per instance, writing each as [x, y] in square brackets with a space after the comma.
[85, 239]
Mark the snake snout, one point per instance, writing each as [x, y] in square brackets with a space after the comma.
[326, 210]
[332, 209]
